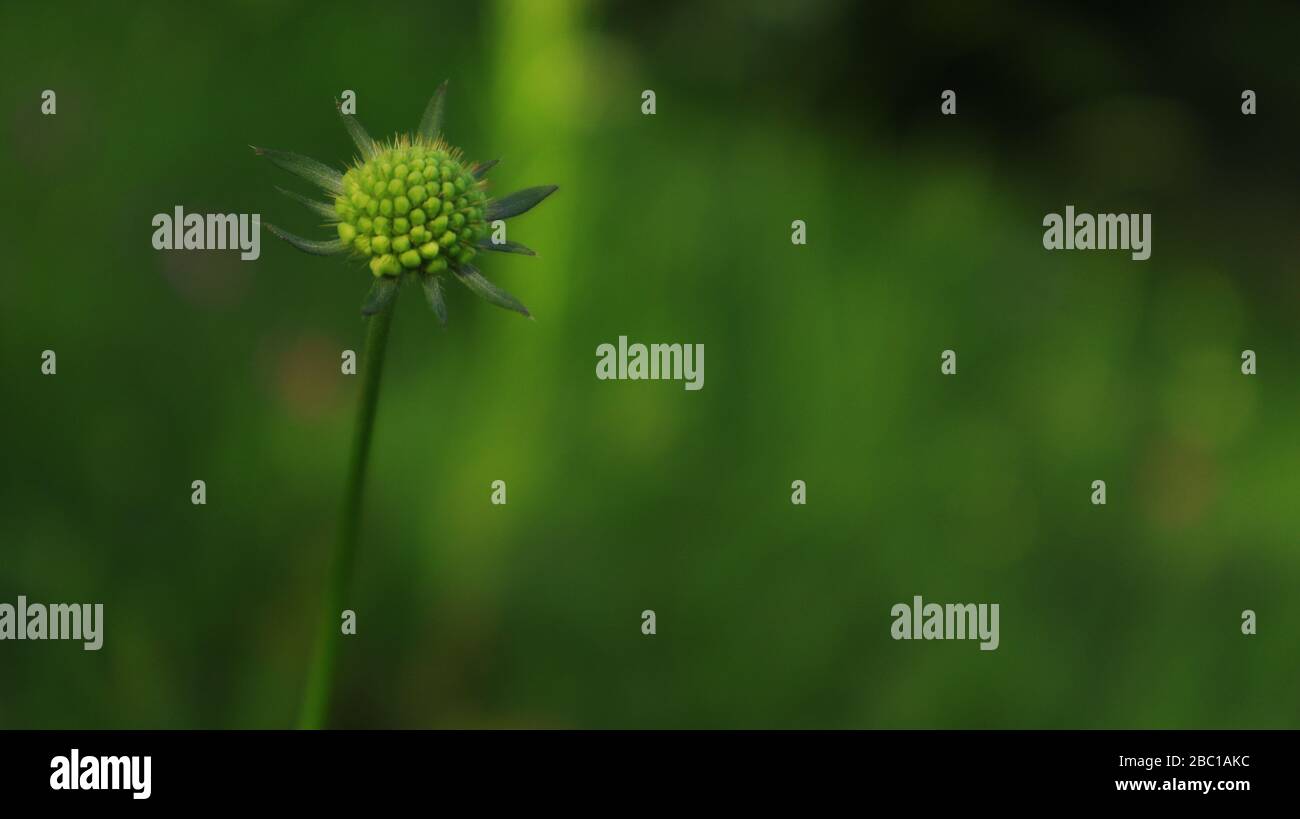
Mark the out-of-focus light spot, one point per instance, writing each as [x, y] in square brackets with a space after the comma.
[304, 375]
[1178, 484]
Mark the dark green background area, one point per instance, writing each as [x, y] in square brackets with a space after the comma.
[822, 364]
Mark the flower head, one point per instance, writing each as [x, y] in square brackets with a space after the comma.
[411, 206]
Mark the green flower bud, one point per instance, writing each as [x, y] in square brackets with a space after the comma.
[411, 203]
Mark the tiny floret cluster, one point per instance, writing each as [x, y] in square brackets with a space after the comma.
[414, 206]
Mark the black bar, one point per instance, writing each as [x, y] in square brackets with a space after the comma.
[333, 768]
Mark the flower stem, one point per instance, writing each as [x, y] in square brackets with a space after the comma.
[320, 679]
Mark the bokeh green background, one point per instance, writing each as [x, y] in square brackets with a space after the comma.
[924, 233]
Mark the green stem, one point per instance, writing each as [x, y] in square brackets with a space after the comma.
[320, 679]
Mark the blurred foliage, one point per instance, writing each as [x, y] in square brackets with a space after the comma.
[822, 365]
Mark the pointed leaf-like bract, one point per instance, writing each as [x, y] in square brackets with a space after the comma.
[481, 169]
[431, 122]
[315, 172]
[331, 248]
[381, 293]
[324, 209]
[506, 247]
[357, 131]
[471, 278]
[433, 292]
[517, 202]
